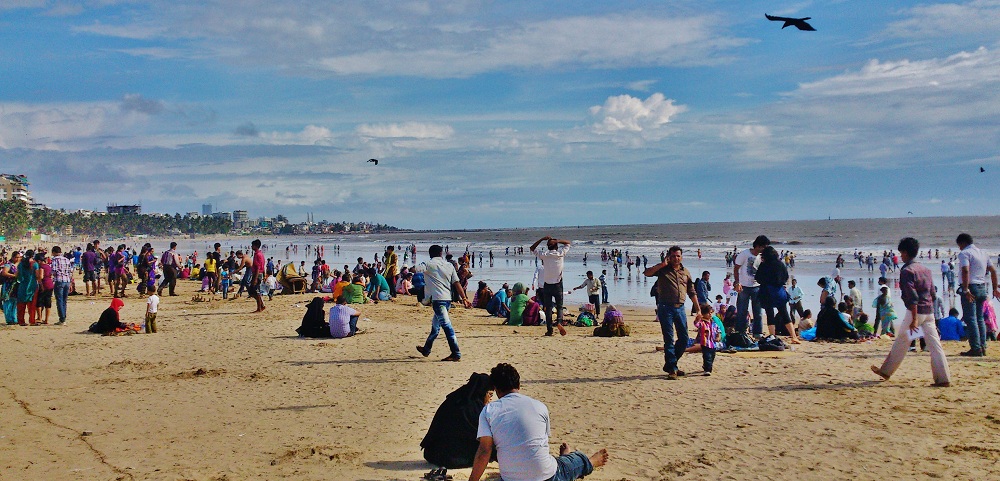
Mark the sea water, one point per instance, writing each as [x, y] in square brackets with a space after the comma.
[815, 245]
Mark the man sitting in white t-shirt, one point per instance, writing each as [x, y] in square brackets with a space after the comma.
[519, 428]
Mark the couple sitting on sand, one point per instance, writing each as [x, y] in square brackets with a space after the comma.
[468, 430]
[343, 320]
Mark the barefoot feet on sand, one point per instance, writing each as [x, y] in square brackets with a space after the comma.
[878, 371]
[599, 458]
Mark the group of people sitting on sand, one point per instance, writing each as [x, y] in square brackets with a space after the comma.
[514, 305]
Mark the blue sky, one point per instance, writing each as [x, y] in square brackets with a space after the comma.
[505, 114]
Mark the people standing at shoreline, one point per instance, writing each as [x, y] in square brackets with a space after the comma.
[745, 284]
[593, 291]
[795, 300]
[673, 282]
[552, 279]
[916, 283]
[604, 286]
[975, 292]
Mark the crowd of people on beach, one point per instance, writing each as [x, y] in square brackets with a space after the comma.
[759, 291]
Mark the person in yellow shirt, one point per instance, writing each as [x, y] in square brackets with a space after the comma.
[338, 288]
[211, 272]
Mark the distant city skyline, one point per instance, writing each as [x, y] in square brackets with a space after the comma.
[511, 114]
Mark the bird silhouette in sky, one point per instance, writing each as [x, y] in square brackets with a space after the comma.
[799, 23]
[373, 160]
[909, 212]
[981, 170]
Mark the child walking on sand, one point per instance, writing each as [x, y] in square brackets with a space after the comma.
[152, 303]
[271, 284]
[709, 337]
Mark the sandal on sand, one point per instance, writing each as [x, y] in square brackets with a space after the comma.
[439, 474]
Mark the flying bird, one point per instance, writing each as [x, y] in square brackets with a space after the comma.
[373, 160]
[981, 170]
[799, 23]
[909, 212]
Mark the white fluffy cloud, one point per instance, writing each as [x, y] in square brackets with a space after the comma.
[949, 19]
[310, 135]
[59, 126]
[956, 72]
[446, 39]
[406, 130]
[628, 114]
[886, 113]
[595, 42]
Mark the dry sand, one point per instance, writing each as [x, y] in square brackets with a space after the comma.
[222, 394]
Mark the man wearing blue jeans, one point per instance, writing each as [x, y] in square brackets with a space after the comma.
[518, 426]
[673, 282]
[440, 278]
[744, 272]
[974, 265]
[62, 275]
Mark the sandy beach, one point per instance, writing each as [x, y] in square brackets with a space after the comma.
[222, 394]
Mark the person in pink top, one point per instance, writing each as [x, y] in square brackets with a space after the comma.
[257, 271]
[43, 302]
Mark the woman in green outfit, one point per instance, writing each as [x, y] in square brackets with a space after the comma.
[28, 279]
[8, 296]
[517, 304]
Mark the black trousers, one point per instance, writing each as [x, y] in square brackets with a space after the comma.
[169, 279]
[595, 299]
[552, 296]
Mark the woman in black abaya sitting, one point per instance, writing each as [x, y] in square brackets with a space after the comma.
[451, 440]
[314, 322]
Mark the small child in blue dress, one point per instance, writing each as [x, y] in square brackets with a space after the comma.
[224, 282]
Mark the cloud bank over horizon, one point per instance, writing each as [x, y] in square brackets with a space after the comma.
[487, 115]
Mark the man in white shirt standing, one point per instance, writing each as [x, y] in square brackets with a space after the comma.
[552, 279]
[440, 278]
[744, 271]
[974, 265]
[519, 428]
[795, 300]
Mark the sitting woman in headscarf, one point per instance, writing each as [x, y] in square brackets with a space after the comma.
[483, 296]
[831, 326]
[613, 325]
[110, 320]
[314, 321]
[532, 315]
[451, 440]
[518, 304]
